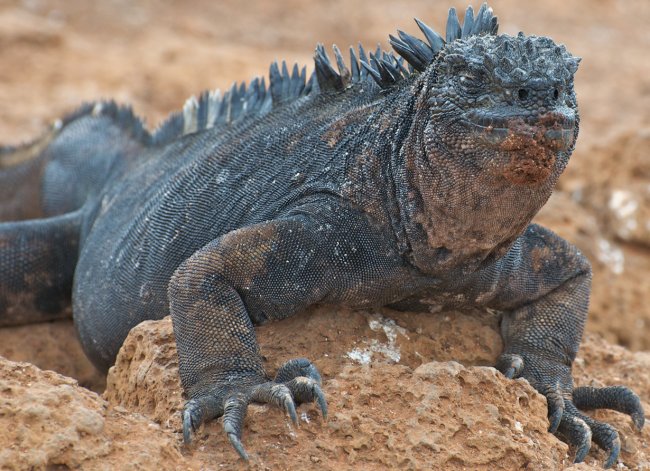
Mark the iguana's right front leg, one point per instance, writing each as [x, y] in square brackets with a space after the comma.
[267, 271]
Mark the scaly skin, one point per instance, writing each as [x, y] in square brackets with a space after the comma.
[364, 187]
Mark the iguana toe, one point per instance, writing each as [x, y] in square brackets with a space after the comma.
[511, 365]
[578, 428]
[308, 390]
[295, 368]
[618, 398]
[553, 380]
[303, 379]
[278, 395]
[197, 411]
[555, 404]
[577, 433]
[233, 420]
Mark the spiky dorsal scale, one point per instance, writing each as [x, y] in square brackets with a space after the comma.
[376, 76]
[312, 84]
[275, 78]
[403, 49]
[355, 72]
[203, 112]
[453, 31]
[414, 50]
[468, 23]
[328, 78]
[383, 68]
[298, 77]
[419, 54]
[434, 39]
[344, 72]
[363, 58]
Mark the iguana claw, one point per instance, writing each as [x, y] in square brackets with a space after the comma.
[237, 445]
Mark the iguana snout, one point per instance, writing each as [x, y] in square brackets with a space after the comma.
[512, 130]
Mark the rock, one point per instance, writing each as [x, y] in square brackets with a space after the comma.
[392, 407]
[145, 375]
[628, 212]
[20, 27]
[51, 346]
[409, 414]
[617, 186]
[47, 421]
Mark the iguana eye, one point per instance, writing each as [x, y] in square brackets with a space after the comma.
[470, 82]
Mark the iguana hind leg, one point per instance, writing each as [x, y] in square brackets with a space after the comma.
[57, 173]
[37, 262]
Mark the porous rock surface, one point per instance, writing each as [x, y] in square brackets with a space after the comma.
[391, 406]
[47, 421]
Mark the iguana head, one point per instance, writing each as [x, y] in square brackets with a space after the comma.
[492, 121]
[504, 102]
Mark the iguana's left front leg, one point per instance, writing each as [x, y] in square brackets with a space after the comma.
[543, 284]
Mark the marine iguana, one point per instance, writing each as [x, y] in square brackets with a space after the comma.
[399, 180]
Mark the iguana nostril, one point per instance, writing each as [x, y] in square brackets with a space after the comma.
[556, 94]
[523, 94]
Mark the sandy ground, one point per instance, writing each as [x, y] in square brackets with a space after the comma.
[153, 54]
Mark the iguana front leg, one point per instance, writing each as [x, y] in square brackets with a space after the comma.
[543, 284]
[260, 272]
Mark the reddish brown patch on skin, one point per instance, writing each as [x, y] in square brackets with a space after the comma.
[531, 157]
[296, 139]
[385, 122]
[246, 252]
[333, 134]
[538, 257]
[364, 175]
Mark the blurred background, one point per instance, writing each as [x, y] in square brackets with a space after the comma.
[154, 54]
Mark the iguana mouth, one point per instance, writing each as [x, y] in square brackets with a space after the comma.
[526, 145]
[554, 130]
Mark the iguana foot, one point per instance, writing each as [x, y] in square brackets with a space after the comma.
[553, 380]
[296, 382]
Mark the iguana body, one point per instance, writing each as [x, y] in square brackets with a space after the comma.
[366, 187]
